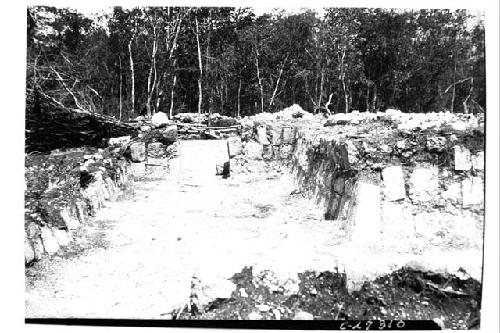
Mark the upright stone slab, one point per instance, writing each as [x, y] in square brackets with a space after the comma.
[394, 184]
[288, 135]
[472, 191]
[50, 243]
[285, 151]
[262, 135]
[267, 152]
[276, 135]
[137, 170]
[478, 161]
[253, 150]
[366, 220]
[138, 151]
[424, 183]
[462, 158]
[234, 146]
[29, 253]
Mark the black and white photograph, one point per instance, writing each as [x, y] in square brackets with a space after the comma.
[252, 165]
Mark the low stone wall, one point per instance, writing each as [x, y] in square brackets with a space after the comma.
[55, 211]
[65, 188]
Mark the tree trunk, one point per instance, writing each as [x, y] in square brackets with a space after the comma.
[260, 80]
[453, 88]
[342, 75]
[120, 60]
[367, 97]
[466, 109]
[152, 71]
[200, 93]
[374, 98]
[174, 81]
[277, 82]
[132, 76]
[239, 94]
[320, 98]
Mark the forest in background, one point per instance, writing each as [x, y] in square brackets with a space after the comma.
[139, 61]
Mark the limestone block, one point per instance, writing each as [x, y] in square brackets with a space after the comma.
[137, 170]
[138, 151]
[462, 158]
[472, 191]
[223, 168]
[478, 161]
[285, 151]
[424, 183]
[394, 184]
[234, 146]
[288, 135]
[29, 252]
[453, 192]
[366, 220]
[70, 218]
[170, 133]
[253, 150]
[120, 141]
[159, 119]
[267, 151]
[276, 135]
[50, 243]
[262, 135]
[62, 237]
[155, 148]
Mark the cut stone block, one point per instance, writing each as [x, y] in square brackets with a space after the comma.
[478, 161]
[424, 183]
[472, 191]
[234, 146]
[62, 237]
[50, 243]
[276, 135]
[137, 170]
[267, 152]
[223, 169]
[288, 135]
[253, 150]
[462, 158]
[120, 141]
[138, 151]
[70, 218]
[394, 184]
[262, 135]
[29, 253]
[160, 118]
[170, 133]
[366, 220]
[285, 151]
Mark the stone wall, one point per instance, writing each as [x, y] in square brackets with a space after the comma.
[55, 213]
[412, 178]
[65, 188]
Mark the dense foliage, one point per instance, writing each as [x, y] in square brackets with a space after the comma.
[144, 60]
